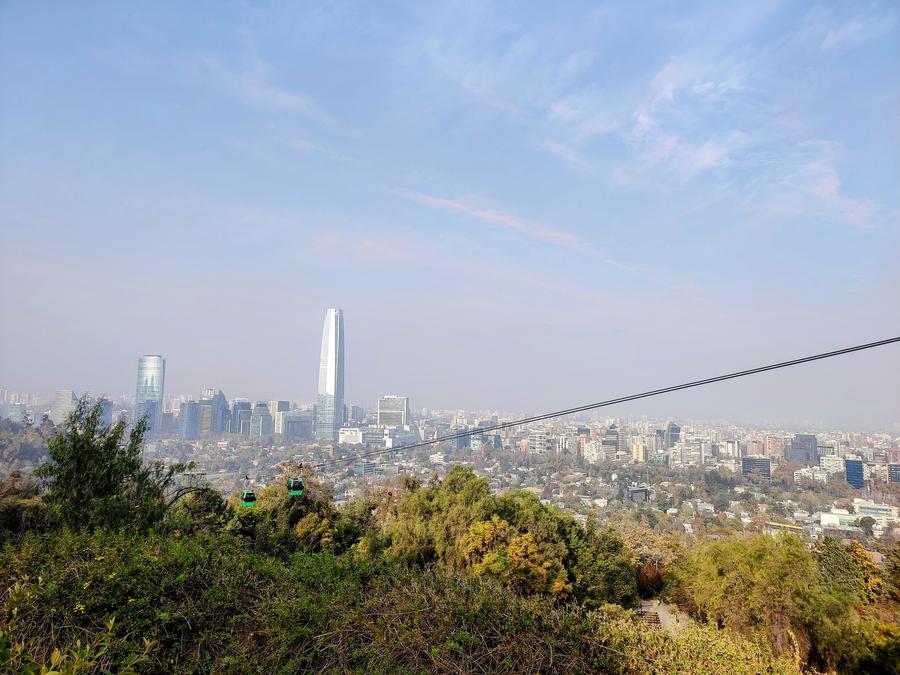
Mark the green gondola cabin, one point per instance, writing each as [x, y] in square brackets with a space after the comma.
[248, 499]
[295, 487]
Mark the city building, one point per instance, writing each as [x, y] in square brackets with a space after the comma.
[893, 473]
[374, 437]
[687, 453]
[803, 450]
[276, 407]
[64, 403]
[537, 441]
[612, 442]
[215, 415]
[811, 473]
[148, 399]
[261, 423]
[189, 420]
[639, 493]
[884, 514]
[672, 435]
[393, 411]
[350, 436]
[832, 464]
[241, 410]
[854, 472]
[593, 452]
[17, 412]
[330, 400]
[759, 465]
[297, 425]
[638, 450]
[774, 446]
[837, 518]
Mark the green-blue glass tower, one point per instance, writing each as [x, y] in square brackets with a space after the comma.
[148, 399]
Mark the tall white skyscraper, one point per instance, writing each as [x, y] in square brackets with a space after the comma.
[148, 398]
[330, 401]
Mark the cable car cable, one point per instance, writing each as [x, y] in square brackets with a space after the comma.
[609, 402]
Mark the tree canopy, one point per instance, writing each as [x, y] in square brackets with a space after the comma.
[96, 476]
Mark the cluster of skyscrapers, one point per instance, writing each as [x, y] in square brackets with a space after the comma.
[212, 413]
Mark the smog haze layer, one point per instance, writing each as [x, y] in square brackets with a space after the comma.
[522, 215]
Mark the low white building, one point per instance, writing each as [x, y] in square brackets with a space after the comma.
[811, 473]
[884, 514]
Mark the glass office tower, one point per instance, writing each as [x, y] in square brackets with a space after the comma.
[148, 399]
[330, 401]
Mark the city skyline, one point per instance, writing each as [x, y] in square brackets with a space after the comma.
[577, 203]
[332, 409]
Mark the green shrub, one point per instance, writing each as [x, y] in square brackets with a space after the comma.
[208, 604]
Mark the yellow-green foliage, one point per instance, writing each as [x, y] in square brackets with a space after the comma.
[206, 603]
[514, 538]
[775, 587]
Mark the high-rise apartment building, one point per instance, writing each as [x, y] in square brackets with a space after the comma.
[612, 442]
[537, 442]
[240, 416]
[893, 472]
[261, 423]
[774, 446]
[330, 400]
[854, 473]
[393, 411]
[189, 420]
[803, 449]
[148, 399]
[638, 450]
[673, 434]
[63, 404]
[296, 425]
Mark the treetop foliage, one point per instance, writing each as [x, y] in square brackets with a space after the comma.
[443, 576]
[96, 476]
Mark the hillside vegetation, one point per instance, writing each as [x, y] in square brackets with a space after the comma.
[102, 571]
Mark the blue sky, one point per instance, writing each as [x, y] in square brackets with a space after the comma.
[517, 207]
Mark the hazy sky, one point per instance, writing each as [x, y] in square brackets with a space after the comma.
[517, 208]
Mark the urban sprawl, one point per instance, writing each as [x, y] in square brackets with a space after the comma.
[688, 475]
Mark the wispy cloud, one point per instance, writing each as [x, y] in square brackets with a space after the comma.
[802, 184]
[823, 182]
[856, 31]
[566, 153]
[254, 82]
[304, 146]
[527, 228]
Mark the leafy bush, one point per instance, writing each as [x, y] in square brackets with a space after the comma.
[514, 538]
[777, 588]
[207, 604]
[96, 476]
